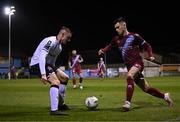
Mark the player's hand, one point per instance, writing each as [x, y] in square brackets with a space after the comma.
[100, 52]
[152, 58]
[44, 79]
[80, 61]
[70, 67]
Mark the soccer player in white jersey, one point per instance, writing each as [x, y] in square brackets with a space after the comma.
[43, 64]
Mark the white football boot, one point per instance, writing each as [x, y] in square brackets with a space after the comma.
[74, 86]
[168, 99]
[80, 86]
[126, 106]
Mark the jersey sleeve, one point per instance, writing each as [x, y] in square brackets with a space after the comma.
[81, 59]
[44, 51]
[110, 45]
[143, 44]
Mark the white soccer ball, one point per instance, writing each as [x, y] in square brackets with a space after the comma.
[91, 102]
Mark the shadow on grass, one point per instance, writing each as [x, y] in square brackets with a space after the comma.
[11, 114]
[135, 106]
[142, 104]
[21, 111]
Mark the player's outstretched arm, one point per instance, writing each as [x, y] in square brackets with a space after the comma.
[100, 52]
[152, 58]
[69, 64]
[80, 60]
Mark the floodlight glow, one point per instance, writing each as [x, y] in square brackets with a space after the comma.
[10, 10]
[7, 10]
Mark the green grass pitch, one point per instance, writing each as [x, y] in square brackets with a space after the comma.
[28, 100]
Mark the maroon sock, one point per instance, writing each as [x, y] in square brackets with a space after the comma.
[80, 80]
[155, 92]
[74, 81]
[129, 89]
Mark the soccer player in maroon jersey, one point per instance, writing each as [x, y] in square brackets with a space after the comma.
[101, 68]
[75, 64]
[130, 44]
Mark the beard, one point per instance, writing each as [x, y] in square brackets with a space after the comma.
[121, 33]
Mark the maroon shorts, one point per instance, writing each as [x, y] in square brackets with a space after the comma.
[138, 64]
[76, 70]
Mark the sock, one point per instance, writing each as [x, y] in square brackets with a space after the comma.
[54, 97]
[129, 89]
[80, 80]
[62, 92]
[74, 81]
[155, 92]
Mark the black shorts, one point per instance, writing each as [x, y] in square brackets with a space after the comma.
[35, 70]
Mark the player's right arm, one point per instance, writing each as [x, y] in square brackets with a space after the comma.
[98, 65]
[69, 63]
[108, 47]
[46, 44]
[103, 50]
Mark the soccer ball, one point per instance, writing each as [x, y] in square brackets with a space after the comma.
[91, 102]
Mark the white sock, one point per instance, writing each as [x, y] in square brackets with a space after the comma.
[62, 91]
[166, 96]
[54, 98]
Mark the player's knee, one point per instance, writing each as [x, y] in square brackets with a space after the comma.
[65, 81]
[66, 78]
[129, 77]
[74, 76]
[55, 82]
[53, 79]
[145, 89]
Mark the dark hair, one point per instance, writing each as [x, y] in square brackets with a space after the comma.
[66, 29]
[120, 19]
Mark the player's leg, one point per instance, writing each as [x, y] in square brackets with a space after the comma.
[74, 78]
[101, 73]
[80, 81]
[63, 77]
[80, 78]
[54, 94]
[53, 91]
[130, 86]
[143, 84]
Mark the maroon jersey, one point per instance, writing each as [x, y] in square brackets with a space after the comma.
[101, 66]
[130, 47]
[76, 65]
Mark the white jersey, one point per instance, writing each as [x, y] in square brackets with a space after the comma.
[46, 53]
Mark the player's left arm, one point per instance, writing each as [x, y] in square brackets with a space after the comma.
[98, 65]
[80, 60]
[104, 67]
[146, 46]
